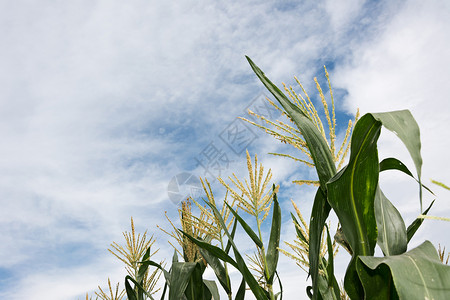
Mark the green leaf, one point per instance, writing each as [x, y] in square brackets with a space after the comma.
[416, 224]
[131, 294]
[323, 161]
[416, 274]
[403, 124]
[257, 290]
[281, 287]
[328, 287]
[395, 164]
[240, 295]
[143, 268]
[392, 237]
[179, 278]
[218, 269]
[194, 289]
[212, 287]
[214, 250]
[233, 231]
[330, 264]
[299, 233]
[351, 193]
[318, 147]
[319, 214]
[274, 240]
[130, 291]
[247, 228]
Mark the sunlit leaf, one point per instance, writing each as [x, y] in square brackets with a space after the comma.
[416, 274]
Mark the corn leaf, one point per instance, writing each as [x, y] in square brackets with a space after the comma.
[246, 227]
[323, 162]
[240, 295]
[403, 124]
[212, 287]
[274, 240]
[233, 231]
[194, 289]
[392, 237]
[218, 269]
[214, 250]
[179, 278]
[416, 224]
[351, 193]
[299, 233]
[416, 274]
[395, 164]
[257, 290]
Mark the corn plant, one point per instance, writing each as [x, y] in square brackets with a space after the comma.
[367, 217]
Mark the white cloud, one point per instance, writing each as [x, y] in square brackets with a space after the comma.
[102, 103]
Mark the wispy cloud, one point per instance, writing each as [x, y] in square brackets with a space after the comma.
[101, 103]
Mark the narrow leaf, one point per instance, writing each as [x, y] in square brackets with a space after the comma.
[416, 224]
[274, 240]
[318, 147]
[319, 214]
[323, 161]
[247, 228]
[214, 250]
[299, 233]
[395, 164]
[392, 237]
[240, 295]
[233, 231]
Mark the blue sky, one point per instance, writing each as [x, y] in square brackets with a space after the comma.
[102, 103]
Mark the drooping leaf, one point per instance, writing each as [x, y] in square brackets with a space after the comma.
[392, 237]
[274, 240]
[403, 124]
[395, 164]
[323, 161]
[246, 227]
[351, 193]
[317, 146]
[416, 223]
[416, 274]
